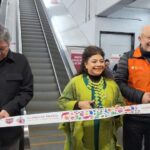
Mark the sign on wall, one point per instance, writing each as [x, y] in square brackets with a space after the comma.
[76, 57]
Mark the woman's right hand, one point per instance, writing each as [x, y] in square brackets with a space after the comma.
[85, 104]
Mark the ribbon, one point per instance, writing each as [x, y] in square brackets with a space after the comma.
[74, 115]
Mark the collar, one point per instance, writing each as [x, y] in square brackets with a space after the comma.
[140, 52]
[137, 53]
[10, 56]
[94, 78]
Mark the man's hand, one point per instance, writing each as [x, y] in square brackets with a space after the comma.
[4, 114]
[146, 98]
[85, 104]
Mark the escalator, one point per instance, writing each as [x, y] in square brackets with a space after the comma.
[50, 77]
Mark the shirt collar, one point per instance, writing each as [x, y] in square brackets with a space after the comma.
[10, 56]
[137, 53]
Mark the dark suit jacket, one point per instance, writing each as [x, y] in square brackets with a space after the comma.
[16, 88]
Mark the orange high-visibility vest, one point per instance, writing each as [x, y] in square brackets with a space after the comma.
[139, 72]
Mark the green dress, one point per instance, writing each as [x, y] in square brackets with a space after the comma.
[97, 134]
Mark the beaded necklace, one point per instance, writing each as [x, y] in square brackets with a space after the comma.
[97, 89]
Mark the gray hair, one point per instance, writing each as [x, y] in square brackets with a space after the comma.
[4, 34]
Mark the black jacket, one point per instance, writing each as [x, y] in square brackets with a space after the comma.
[16, 88]
[121, 77]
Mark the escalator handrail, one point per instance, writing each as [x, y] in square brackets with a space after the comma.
[18, 30]
[48, 48]
[19, 50]
[3, 12]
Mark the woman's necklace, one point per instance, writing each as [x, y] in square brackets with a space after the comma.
[97, 89]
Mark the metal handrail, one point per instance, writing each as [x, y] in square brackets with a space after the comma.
[18, 30]
[19, 50]
[3, 11]
[48, 48]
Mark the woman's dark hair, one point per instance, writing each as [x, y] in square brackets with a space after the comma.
[88, 52]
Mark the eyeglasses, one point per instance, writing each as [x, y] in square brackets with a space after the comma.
[3, 48]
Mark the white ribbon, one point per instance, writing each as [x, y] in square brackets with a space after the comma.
[74, 115]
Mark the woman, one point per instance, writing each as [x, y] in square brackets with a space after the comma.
[91, 88]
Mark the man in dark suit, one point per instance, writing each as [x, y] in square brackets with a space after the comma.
[16, 90]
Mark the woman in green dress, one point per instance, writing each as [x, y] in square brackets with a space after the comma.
[91, 88]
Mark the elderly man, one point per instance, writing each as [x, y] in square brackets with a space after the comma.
[16, 90]
[133, 78]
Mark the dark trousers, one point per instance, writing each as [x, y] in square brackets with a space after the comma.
[16, 143]
[13, 144]
[135, 130]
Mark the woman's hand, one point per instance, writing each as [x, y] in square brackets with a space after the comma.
[85, 104]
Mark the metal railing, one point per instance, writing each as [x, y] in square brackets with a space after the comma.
[19, 50]
[3, 11]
